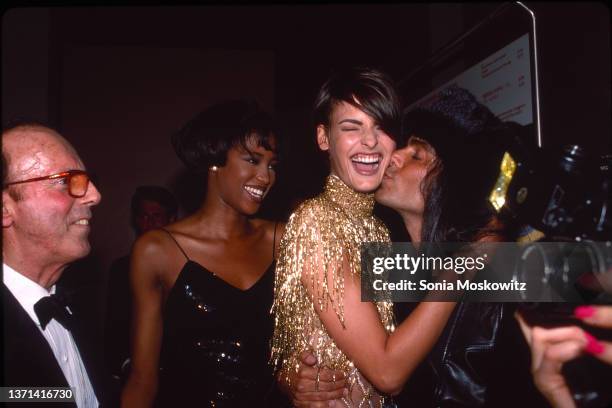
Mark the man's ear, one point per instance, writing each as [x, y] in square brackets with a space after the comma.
[322, 137]
[8, 204]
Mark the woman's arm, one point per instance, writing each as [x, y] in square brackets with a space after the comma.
[146, 332]
[385, 360]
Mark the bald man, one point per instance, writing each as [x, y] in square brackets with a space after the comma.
[47, 201]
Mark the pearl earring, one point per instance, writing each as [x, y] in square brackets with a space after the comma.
[214, 168]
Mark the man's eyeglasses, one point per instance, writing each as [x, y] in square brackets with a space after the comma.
[77, 181]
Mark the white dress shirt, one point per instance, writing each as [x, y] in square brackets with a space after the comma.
[27, 293]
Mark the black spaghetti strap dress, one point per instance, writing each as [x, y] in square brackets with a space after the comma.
[216, 341]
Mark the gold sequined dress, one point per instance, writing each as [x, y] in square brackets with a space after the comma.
[322, 233]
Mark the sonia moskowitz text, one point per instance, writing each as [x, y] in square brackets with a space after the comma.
[463, 285]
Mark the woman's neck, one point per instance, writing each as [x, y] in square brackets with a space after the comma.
[413, 224]
[221, 220]
[354, 203]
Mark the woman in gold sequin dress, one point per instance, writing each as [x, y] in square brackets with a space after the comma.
[317, 302]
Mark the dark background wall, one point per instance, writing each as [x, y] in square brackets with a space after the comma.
[117, 81]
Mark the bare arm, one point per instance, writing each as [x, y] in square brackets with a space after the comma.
[387, 361]
[146, 332]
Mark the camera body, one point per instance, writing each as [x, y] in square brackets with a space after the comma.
[563, 193]
[566, 195]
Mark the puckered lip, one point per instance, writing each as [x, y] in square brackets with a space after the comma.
[388, 174]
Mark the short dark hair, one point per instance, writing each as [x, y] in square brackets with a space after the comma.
[368, 89]
[158, 194]
[205, 139]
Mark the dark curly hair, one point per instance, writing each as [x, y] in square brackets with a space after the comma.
[205, 140]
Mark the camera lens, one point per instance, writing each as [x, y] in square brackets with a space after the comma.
[565, 271]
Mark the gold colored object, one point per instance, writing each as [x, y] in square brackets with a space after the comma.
[507, 169]
[321, 234]
[533, 236]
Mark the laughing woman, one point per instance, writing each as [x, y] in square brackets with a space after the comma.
[317, 289]
[203, 285]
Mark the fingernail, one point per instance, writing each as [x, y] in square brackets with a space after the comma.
[593, 346]
[584, 311]
[345, 392]
[332, 403]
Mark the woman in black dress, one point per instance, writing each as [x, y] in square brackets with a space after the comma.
[203, 285]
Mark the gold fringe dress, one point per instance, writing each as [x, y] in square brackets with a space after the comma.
[331, 226]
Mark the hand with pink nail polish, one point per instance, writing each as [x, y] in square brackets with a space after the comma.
[599, 316]
[551, 348]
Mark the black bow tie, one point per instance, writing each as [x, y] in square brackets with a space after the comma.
[53, 307]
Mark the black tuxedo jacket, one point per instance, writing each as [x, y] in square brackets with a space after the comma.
[29, 360]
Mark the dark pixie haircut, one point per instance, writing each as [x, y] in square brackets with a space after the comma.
[205, 140]
[157, 194]
[457, 186]
[367, 89]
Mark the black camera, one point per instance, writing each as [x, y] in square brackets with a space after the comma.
[564, 196]
[563, 193]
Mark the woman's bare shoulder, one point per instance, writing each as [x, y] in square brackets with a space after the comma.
[154, 251]
[152, 242]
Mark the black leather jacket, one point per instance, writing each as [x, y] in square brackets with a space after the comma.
[462, 360]
[482, 360]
